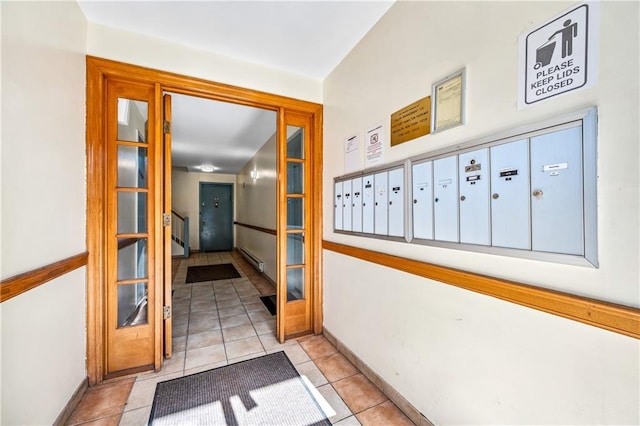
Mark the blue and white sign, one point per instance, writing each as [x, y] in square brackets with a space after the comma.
[559, 56]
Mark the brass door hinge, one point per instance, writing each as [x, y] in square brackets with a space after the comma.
[166, 126]
[166, 312]
[166, 220]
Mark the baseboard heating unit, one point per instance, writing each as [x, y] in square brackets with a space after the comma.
[252, 259]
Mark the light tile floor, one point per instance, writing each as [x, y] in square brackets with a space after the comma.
[217, 323]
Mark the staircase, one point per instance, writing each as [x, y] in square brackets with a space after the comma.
[179, 234]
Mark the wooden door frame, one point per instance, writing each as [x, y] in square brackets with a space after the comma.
[98, 70]
[233, 207]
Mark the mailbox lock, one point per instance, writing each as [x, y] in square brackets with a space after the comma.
[537, 193]
[415, 201]
[437, 199]
[462, 198]
[495, 196]
[390, 202]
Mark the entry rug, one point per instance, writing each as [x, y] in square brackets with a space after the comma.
[223, 271]
[269, 303]
[261, 391]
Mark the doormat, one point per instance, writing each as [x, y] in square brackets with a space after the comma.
[223, 271]
[261, 391]
[270, 303]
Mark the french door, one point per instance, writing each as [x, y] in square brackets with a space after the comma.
[295, 207]
[129, 197]
[130, 234]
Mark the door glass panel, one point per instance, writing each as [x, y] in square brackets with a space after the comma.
[132, 304]
[295, 284]
[132, 120]
[295, 249]
[295, 178]
[132, 212]
[295, 142]
[132, 167]
[132, 258]
[295, 213]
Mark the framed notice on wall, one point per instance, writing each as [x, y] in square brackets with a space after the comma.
[448, 100]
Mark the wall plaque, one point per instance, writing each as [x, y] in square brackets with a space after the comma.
[411, 121]
[448, 102]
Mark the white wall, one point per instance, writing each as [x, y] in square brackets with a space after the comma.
[460, 357]
[43, 206]
[150, 52]
[185, 198]
[256, 205]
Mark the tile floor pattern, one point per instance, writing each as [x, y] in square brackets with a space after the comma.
[217, 323]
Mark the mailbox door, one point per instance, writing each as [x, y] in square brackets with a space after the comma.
[356, 205]
[381, 198]
[368, 190]
[422, 190]
[510, 211]
[346, 205]
[445, 198]
[473, 170]
[337, 206]
[396, 202]
[556, 192]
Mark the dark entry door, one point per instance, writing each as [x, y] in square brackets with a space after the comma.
[216, 217]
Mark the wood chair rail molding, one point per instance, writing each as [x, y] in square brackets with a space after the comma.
[257, 228]
[18, 284]
[609, 316]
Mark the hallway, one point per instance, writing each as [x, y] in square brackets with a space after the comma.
[216, 323]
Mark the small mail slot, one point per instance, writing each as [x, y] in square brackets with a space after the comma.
[507, 173]
[473, 178]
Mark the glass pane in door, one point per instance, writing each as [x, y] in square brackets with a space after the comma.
[295, 178]
[132, 166]
[295, 249]
[132, 120]
[132, 212]
[295, 213]
[132, 304]
[132, 258]
[295, 284]
[295, 142]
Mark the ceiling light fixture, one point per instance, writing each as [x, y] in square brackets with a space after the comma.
[207, 168]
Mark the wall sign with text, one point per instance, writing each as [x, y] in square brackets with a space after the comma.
[559, 56]
[448, 98]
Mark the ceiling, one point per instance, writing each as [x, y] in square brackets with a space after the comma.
[308, 38]
[218, 134]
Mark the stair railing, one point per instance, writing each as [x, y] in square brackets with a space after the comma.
[180, 231]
